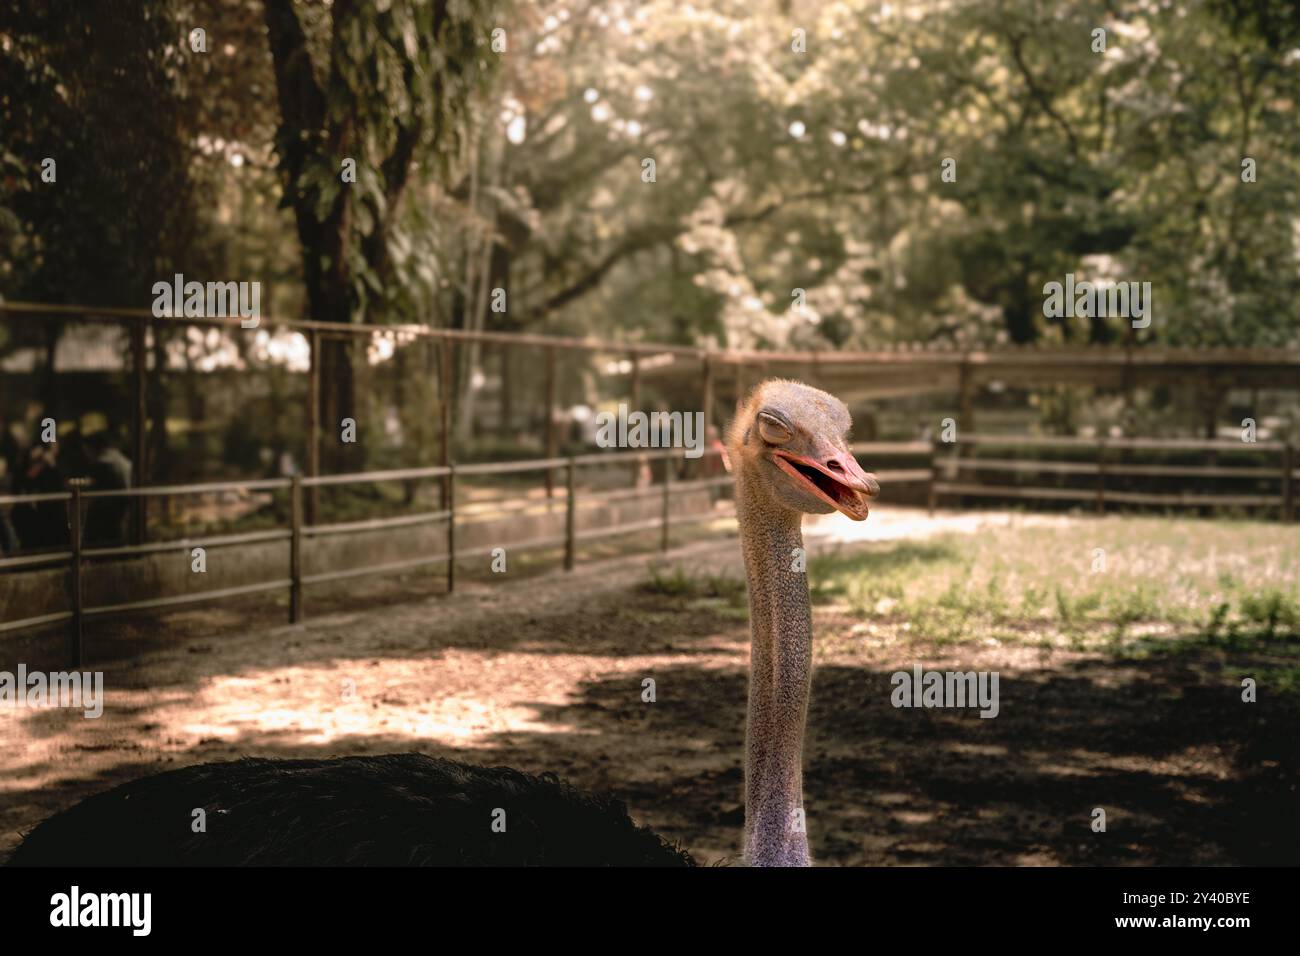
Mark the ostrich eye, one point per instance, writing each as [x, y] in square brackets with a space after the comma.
[773, 430]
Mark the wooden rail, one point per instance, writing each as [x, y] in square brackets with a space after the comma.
[1107, 468]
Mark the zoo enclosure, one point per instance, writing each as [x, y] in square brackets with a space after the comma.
[943, 464]
[300, 529]
[698, 375]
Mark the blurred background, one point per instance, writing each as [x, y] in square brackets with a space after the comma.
[476, 226]
[798, 203]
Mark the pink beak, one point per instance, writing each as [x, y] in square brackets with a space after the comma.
[834, 477]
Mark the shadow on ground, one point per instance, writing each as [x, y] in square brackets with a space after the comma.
[1186, 774]
[1185, 771]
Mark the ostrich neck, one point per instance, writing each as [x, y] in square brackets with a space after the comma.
[780, 670]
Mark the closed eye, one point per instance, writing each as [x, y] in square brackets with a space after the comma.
[773, 430]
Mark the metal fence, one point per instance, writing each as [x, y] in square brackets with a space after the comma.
[299, 530]
[950, 470]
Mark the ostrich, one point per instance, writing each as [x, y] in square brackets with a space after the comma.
[787, 450]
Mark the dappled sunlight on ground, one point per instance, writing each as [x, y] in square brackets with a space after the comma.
[549, 673]
[896, 523]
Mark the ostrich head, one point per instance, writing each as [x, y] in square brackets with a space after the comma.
[789, 441]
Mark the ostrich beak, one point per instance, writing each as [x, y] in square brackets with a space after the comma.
[836, 478]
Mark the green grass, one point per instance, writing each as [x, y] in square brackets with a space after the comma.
[1213, 581]
[1130, 586]
[717, 590]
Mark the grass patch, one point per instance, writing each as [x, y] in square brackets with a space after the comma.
[677, 582]
[1116, 584]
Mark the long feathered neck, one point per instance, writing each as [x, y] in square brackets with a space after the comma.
[780, 671]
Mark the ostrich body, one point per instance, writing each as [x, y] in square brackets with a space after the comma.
[787, 449]
[392, 810]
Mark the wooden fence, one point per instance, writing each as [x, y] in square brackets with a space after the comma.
[1105, 480]
[949, 470]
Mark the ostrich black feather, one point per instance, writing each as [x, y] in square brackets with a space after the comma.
[393, 810]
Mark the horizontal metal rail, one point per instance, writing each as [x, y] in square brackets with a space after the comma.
[373, 524]
[393, 474]
[1088, 494]
[1010, 491]
[891, 448]
[1149, 444]
[195, 598]
[1021, 465]
[595, 534]
[31, 560]
[185, 544]
[206, 487]
[388, 567]
[35, 499]
[511, 467]
[902, 354]
[903, 476]
[1185, 498]
[108, 313]
[41, 620]
[576, 500]
[1093, 468]
[638, 454]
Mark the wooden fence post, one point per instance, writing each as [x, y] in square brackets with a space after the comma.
[965, 397]
[706, 399]
[570, 517]
[450, 485]
[295, 549]
[1288, 483]
[1101, 476]
[668, 481]
[934, 474]
[74, 575]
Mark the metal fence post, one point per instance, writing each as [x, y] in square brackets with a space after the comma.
[668, 481]
[140, 425]
[451, 527]
[74, 575]
[295, 549]
[570, 516]
[444, 416]
[312, 506]
[550, 420]
[635, 404]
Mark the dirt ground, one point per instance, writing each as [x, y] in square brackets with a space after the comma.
[546, 673]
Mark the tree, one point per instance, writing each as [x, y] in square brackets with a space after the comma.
[382, 90]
